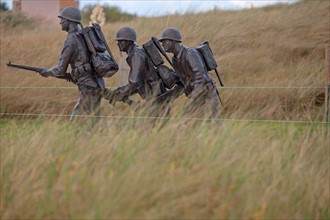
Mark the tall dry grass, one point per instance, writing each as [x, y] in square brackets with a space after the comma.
[55, 170]
[132, 167]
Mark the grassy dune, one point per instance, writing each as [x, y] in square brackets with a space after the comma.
[134, 167]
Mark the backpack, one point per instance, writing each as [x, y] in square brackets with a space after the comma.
[104, 63]
[168, 76]
[210, 63]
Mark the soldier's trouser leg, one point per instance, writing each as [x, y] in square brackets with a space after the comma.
[75, 111]
[205, 105]
[89, 104]
[212, 104]
[195, 106]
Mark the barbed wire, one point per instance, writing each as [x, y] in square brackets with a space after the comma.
[160, 118]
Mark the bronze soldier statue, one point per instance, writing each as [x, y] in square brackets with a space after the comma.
[190, 68]
[143, 78]
[76, 54]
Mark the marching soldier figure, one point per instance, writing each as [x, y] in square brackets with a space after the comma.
[76, 54]
[190, 68]
[143, 78]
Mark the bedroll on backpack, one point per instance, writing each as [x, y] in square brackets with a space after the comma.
[104, 64]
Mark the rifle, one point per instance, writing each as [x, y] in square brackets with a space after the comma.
[67, 76]
[106, 93]
[173, 93]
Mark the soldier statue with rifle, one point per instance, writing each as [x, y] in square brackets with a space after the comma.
[76, 53]
[143, 77]
[190, 67]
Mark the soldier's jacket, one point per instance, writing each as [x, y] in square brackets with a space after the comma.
[143, 77]
[76, 54]
[199, 87]
[190, 68]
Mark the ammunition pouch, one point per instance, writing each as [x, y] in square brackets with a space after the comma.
[200, 79]
[168, 76]
[81, 70]
[211, 86]
[100, 82]
[89, 90]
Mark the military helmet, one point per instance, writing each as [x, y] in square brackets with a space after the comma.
[171, 33]
[126, 33]
[71, 13]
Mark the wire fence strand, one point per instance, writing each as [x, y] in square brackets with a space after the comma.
[170, 118]
[225, 87]
[160, 118]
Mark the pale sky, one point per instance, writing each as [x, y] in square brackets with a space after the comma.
[163, 7]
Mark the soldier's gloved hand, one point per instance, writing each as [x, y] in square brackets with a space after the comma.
[106, 94]
[45, 73]
[115, 96]
[129, 101]
[118, 96]
[187, 91]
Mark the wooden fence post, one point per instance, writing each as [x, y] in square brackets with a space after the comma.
[327, 82]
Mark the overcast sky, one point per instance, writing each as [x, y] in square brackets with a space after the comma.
[162, 7]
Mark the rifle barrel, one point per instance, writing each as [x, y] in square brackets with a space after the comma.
[30, 68]
[67, 76]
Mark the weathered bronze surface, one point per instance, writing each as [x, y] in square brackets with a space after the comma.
[189, 66]
[76, 54]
